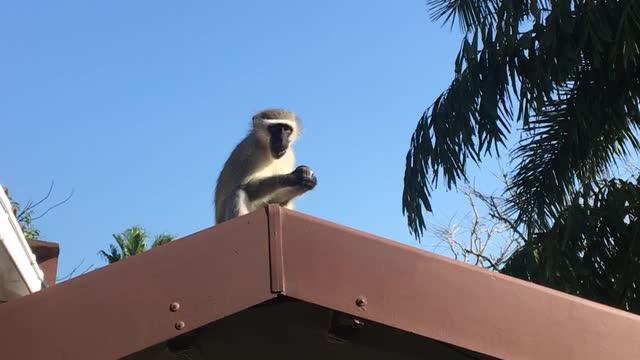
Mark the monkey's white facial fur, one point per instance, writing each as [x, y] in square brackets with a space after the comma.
[277, 134]
[292, 125]
[277, 129]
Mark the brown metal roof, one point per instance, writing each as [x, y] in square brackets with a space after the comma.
[415, 304]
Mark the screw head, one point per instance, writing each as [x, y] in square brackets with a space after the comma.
[174, 306]
[180, 325]
[361, 301]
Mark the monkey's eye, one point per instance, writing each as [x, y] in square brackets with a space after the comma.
[279, 128]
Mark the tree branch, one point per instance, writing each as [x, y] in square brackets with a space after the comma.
[30, 205]
[54, 206]
[68, 276]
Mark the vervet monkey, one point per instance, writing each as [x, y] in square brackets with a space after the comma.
[260, 170]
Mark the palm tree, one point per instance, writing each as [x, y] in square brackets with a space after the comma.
[131, 242]
[593, 248]
[566, 73]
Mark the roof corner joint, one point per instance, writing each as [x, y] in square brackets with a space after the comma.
[276, 261]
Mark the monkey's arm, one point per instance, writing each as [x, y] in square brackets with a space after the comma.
[262, 188]
[281, 189]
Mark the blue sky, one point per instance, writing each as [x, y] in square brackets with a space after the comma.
[136, 105]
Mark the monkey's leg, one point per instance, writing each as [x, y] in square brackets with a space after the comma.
[285, 197]
[232, 206]
[289, 205]
[240, 204]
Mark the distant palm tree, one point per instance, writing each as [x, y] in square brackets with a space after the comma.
[131, 242]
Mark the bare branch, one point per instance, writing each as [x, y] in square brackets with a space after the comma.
[495, 212]
[68, 276]
[54, 206]
[474, 223]
[447, 234]
[483, 257]
[491, 239]
[30, 205]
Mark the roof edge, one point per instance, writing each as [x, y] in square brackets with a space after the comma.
[145, 299]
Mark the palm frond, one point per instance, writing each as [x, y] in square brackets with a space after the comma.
[469, 13]
[592, 249]
[132, 241]
[112, 255]
[576, 75]
[469, 120]
[570, 143]
[162, 239]
[136, 237]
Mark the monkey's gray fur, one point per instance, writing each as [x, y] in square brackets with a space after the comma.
[260, 170]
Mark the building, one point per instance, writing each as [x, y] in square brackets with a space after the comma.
[22, 261]
[281, 283]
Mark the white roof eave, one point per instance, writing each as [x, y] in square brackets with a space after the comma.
[22, 271]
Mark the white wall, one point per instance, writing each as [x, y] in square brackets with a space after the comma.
[19, 271]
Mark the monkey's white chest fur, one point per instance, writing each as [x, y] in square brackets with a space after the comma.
[284, 165]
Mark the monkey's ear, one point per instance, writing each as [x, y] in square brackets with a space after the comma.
[255, 120]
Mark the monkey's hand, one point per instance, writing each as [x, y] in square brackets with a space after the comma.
[305, 178]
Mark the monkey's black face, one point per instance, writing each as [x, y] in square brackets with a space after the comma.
[279, 135]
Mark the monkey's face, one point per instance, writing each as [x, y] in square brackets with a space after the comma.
[279, 139]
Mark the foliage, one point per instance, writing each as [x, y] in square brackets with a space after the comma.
[593, 248]
[131, 242]
[25, 219]
[26, 216]
[566, 72]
